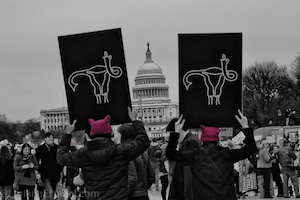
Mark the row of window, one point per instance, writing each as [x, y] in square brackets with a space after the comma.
[56, 128]
[153, 116]
[156, 135]
[56, 115]
[151, 93]
[152, 112]
[150, 81]
[55, 120]
[149, 71]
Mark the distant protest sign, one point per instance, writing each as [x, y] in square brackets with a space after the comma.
[95, 76]
[210, 79]
[247, 181]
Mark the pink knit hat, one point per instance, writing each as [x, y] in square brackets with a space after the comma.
[100, 126]
[209, 133]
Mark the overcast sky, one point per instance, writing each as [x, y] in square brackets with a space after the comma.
[30, 68]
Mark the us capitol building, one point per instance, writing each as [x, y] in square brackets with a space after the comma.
[150, 100]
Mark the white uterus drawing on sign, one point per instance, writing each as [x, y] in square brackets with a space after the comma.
[220, 74]
[99, 78]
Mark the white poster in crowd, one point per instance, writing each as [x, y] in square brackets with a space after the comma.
[226, 131]
[257, 137]
[279, 138]
[270, 139]
[56, 141]
[292, 132]
[239, 138]
[246, 182]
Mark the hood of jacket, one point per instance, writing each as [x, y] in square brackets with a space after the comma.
[100, 149]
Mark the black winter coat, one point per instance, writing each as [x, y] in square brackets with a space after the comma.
[181, 185]
[7, 173]
[207, 181]
[48, 166]
[104, 164]
[141, 176]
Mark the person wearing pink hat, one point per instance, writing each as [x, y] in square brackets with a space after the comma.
[104, 163]
[211, 166]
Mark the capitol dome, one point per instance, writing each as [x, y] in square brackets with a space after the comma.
[149, 67]
[150, 82]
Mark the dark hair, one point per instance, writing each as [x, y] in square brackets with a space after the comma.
[88, 129]
[5, 154]
[127, 133]
[23, 147]
[83, 139]
[171, 125]
[48, 134]
[271, 148]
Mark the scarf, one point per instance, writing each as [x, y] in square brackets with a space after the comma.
[27, 160]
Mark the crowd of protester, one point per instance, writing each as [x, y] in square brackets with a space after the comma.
[134, 165]
[281, 162]
[25, 170]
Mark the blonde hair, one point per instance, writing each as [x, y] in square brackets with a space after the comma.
[263, 144]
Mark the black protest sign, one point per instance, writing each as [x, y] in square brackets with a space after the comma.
[95, 76]
[210, 79]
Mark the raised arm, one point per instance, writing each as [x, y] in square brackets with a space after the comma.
[141, 141]
[189, 150]
[64, 157]
[250, 145]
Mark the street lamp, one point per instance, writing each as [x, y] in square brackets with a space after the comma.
[141, 110]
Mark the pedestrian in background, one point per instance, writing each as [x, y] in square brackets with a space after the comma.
[286, 157]
[6, 172]
[26, 166]
[264, 166]
[154, 146]
[49, 169]
[181, 185]
[71, 173]
[140, 174]
[276, 169]
[163, 170]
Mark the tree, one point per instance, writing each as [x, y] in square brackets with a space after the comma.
[296, 73]
[3, 118]
[7, 132]
[15, 132]
[32, 125]
[267, 88]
